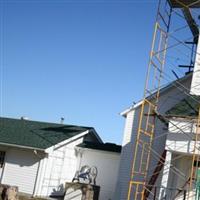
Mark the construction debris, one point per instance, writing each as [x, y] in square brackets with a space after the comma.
[81, 191]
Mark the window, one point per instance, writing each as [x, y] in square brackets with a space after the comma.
[2, 158]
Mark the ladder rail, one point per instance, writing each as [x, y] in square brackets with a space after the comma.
[159, 44]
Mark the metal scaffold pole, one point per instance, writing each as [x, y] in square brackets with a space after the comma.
[142, 180]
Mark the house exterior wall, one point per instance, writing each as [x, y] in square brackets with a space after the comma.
[180, 145]
[181, 136]
[107, 164]
[168, 99]
[20, 169]
[56, 169]
[128, 127]
[131, 124]
[178, 175]
[181, 142]
[42, 172]
[177, 179]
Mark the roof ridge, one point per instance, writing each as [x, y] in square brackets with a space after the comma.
[43, 122]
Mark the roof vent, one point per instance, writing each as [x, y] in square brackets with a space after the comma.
[24, 118]
[62, 119]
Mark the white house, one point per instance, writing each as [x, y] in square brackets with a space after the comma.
[180, 146]
[170, 96]
[106, 158]
[40, 157]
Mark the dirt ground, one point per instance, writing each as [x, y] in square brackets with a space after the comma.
[22, 197]
[29, 198]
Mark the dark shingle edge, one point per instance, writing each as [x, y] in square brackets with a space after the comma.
[101, 146]
[187, 107]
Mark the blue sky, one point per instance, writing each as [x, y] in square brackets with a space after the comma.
[82, 60]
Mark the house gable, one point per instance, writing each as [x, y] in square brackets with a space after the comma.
[164, 90]
[37, 135]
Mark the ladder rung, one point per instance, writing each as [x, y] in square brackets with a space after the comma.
[141, 173]
[158, 59]
[142, 142]
[137, 193]
[137, 182]
[150, 103]
[146, 133]
[151, 125]
[161, 30]
[157, 68]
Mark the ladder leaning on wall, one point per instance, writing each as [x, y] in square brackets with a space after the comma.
[145, 134]
[139, 179]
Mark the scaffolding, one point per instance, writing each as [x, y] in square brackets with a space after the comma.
[175, 38]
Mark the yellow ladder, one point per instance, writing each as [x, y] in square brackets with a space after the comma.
[145, 133]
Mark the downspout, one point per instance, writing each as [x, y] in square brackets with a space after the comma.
[2, 172]
[36, 178]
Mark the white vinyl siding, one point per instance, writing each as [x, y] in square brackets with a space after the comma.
[107, 164]
[20, 169]
[128, 127]
[168, 99]
[58, 168]
[131, 126]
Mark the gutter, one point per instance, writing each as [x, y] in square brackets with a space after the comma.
[36, 178]
[97, 150]
[125, 112]
[21, 146]
[65, 142]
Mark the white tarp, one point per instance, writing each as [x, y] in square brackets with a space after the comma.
[195, 85]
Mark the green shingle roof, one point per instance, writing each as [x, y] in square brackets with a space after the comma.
[187, 107]
[40, 135]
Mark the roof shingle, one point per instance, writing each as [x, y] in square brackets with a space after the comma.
[40, 135]
[101, 146]
[187, 107]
